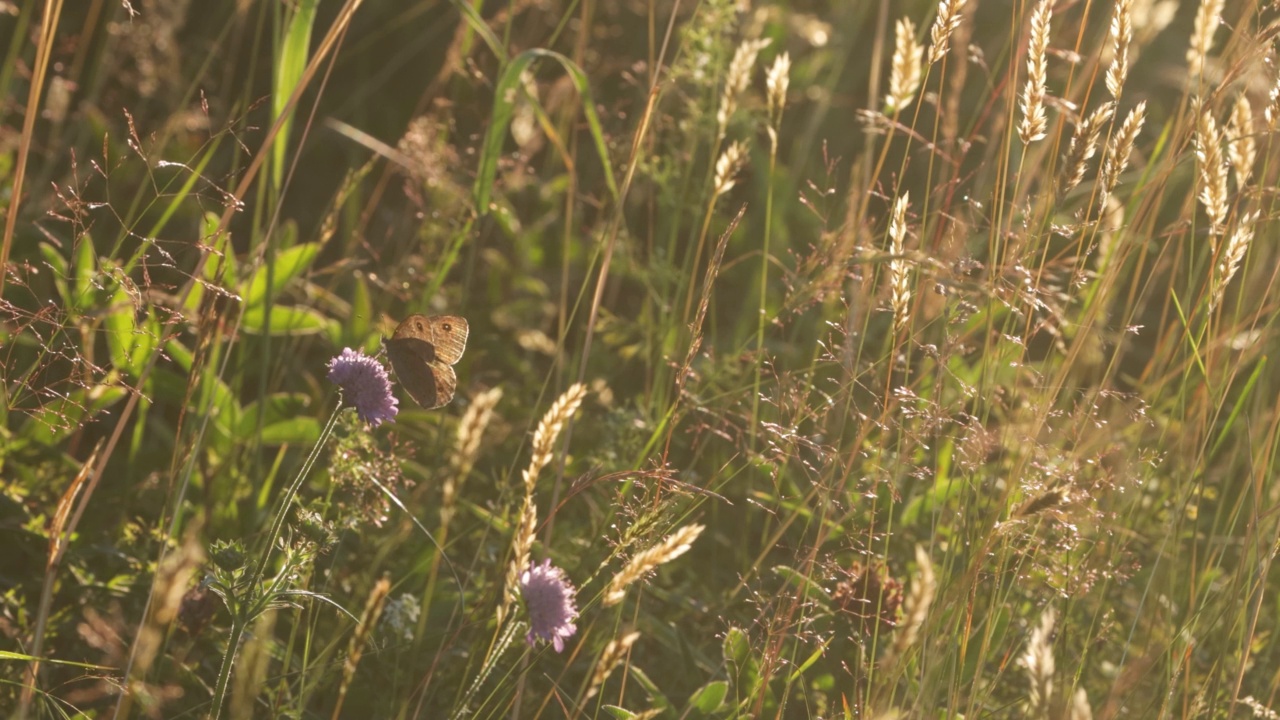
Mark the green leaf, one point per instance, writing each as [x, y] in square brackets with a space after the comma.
[710, 697]
[288, 265]
[620, 713]
[120, 326]
[660, 701]
[275, 408]
[298, 431]
[144, 343]
[86, 267]
[221, 255]
[58, 419]
[58, 264]
[504, 107]
[357, 327]
[290, 66]
[283, 320]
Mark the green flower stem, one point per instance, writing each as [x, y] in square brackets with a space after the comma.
[224, 672]
[241, 620]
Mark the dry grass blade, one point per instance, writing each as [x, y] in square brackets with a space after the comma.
[1033, 125]
[675, 545]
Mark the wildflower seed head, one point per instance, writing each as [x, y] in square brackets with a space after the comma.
[549, 599]
[365, 386]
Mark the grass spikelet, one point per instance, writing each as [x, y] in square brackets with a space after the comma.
[1080, 708]
[544, 440]
[904, 73]
[470, 432]
[1242, 148]
[1033, 125]
[1084, 144]
[368, 621]
[1208, 17]
[1232, 254]
[924, 588]
[727, 167]
[776, 82]
[613, 654]
[1038, 662]
[1116, 158]
[899, 269]
[1272, 113]
[944, 26]
[736, 81]
[1213, 171]
[1121, 36]
[675, 545]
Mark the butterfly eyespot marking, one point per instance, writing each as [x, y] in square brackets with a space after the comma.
[419, 326]
[447, 327]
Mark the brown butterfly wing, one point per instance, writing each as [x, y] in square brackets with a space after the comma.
[414, 361]
[422, 350]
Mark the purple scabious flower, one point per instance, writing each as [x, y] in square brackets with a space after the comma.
[365, 385]
[549, 599]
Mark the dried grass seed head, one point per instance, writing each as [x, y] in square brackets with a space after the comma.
[1121, 37]
[1208, 18]
[1034, 123]
[1213, 170]
[905, 71]
[944, 26]
[675, 545]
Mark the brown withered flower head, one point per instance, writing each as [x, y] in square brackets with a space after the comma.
[869, 599]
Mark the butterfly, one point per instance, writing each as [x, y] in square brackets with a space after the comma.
[423, 350]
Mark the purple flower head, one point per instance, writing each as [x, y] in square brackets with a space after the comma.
[548, 597]
[365, 385]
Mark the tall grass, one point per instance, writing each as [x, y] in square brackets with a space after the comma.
[873, 360]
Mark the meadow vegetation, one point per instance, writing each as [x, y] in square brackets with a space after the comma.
[864, 359]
